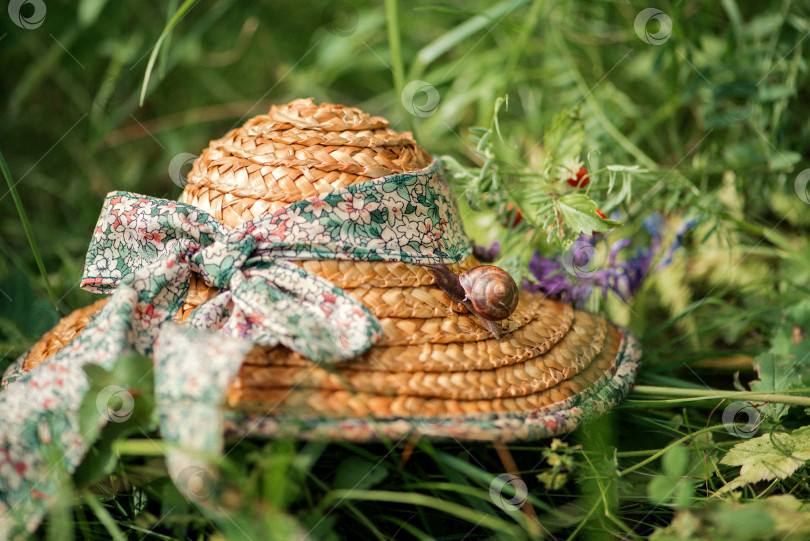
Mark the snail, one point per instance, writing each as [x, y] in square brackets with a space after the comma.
[487, 291]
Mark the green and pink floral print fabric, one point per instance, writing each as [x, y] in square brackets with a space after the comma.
[143, 251]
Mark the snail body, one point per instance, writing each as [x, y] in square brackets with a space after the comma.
[487, 291]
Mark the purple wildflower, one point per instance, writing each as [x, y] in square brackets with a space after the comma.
[552, 279]
[569, 277]
[487, 254]
[677, 241]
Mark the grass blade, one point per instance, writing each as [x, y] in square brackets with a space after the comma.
[179, 14]
[12, 187]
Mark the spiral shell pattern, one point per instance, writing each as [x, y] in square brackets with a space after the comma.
[492, 292]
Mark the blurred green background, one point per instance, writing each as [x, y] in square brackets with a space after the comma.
[718, 101]
[723, 94]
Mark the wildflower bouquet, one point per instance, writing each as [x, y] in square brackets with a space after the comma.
[561, 215]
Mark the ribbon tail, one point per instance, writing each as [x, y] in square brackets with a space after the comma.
[190, 399]
[41, 437]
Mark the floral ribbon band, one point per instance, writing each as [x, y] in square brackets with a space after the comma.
[144, 250]
[153, 244]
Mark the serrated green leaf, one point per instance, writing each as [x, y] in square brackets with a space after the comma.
[579, 213]
[760, 460]
[787, 364]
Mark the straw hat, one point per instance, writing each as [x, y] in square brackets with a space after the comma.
[437, 370]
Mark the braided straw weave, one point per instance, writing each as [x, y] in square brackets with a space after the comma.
[435, 358]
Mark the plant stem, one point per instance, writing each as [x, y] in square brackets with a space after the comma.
[12, 188]
[775, 398]
[491, 522]
[648, 452]
[395, 46]
[673, 444]
[140, 447]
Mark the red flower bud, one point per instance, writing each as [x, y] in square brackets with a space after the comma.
[513, 216]
[601, 215]
[581, 180]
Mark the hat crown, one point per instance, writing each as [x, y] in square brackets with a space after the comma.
[305, 113]
[295, 151]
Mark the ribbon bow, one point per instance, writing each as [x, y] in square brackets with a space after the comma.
[152, 245]
[144, 250]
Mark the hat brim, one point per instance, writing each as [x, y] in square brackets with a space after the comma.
[555, 419]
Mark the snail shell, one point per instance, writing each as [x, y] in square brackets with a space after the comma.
[491, 291]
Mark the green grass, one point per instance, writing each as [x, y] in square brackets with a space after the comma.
[716, 115]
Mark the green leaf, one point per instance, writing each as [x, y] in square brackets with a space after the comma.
[453, 37]
[675, 461]
[579, 213]
[784, 160]
[89, 10]
[659, 490]
[673, 487]
[359, 473]
[768, 457]
[674, 491]
[22, 308]
[684, 493]
[119, 402]
[782, 518]
[787, 364]
[775, 92]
